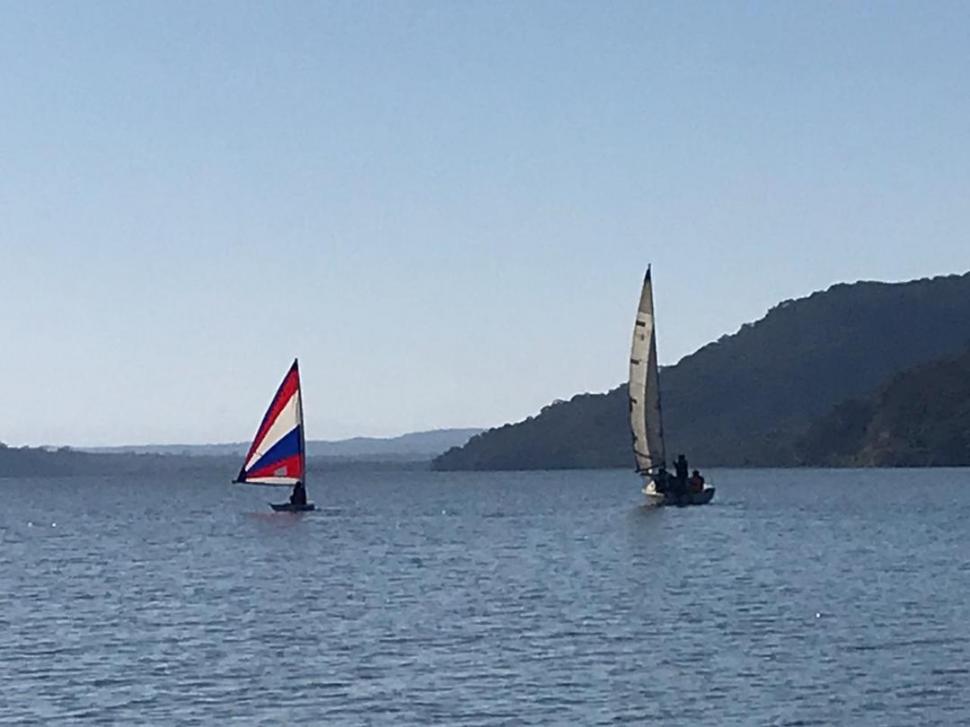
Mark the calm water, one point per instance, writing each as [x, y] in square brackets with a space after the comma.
[798, 597]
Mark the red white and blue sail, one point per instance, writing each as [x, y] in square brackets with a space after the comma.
[277, 455]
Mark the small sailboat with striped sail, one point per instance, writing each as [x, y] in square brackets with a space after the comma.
[277, 456]
[646, 415]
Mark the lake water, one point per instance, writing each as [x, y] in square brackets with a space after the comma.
[796, 598]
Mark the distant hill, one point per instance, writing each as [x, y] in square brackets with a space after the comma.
[419, 445]
[409, 451]
[66, 462]
[415, 445]
[920, 418]
[747, 398]
[63, 462]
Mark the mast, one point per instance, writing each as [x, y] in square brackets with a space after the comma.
[656, 383]
[299, 399]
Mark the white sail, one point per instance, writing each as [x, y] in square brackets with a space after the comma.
[646, 422]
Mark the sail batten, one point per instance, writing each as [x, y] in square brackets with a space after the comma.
[277, 455]
[646, 422]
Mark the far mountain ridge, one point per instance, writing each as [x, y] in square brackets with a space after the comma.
[744, 399]
[419, 445]
[409, 451]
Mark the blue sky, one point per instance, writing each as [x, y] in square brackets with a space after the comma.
[444, 209]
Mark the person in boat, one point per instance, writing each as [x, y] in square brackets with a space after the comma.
[696, 483]
[680, 477]
[661, 480]
[299, 494]
[680, 468]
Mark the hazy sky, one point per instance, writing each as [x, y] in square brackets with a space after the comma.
[444, 209]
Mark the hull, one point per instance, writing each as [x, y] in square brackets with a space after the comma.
[287, 507]
[659, 499]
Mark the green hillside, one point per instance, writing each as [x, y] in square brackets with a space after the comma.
[920, 418]
[749, 397]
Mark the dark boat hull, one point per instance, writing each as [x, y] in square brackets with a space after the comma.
[657, 499]
[287, 507]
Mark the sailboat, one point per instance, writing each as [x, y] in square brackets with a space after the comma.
[277, 456]
[646, 415]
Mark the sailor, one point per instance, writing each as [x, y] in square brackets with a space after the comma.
[661, 480]
[680, 467]
[696, 483]
[299, 494]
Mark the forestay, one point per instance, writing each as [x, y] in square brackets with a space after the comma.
[646, 421]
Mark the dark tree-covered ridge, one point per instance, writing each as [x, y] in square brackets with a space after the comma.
[748, 398]
[920, 418]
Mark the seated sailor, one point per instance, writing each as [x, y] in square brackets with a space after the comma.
[299, 494]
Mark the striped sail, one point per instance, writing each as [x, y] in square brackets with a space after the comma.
[277, 455]
[646, 422]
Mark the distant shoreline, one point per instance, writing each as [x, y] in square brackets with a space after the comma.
[27, 462]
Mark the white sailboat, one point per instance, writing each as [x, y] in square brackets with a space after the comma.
[646, 415]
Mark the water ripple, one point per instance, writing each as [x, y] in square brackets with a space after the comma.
[487, 599]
